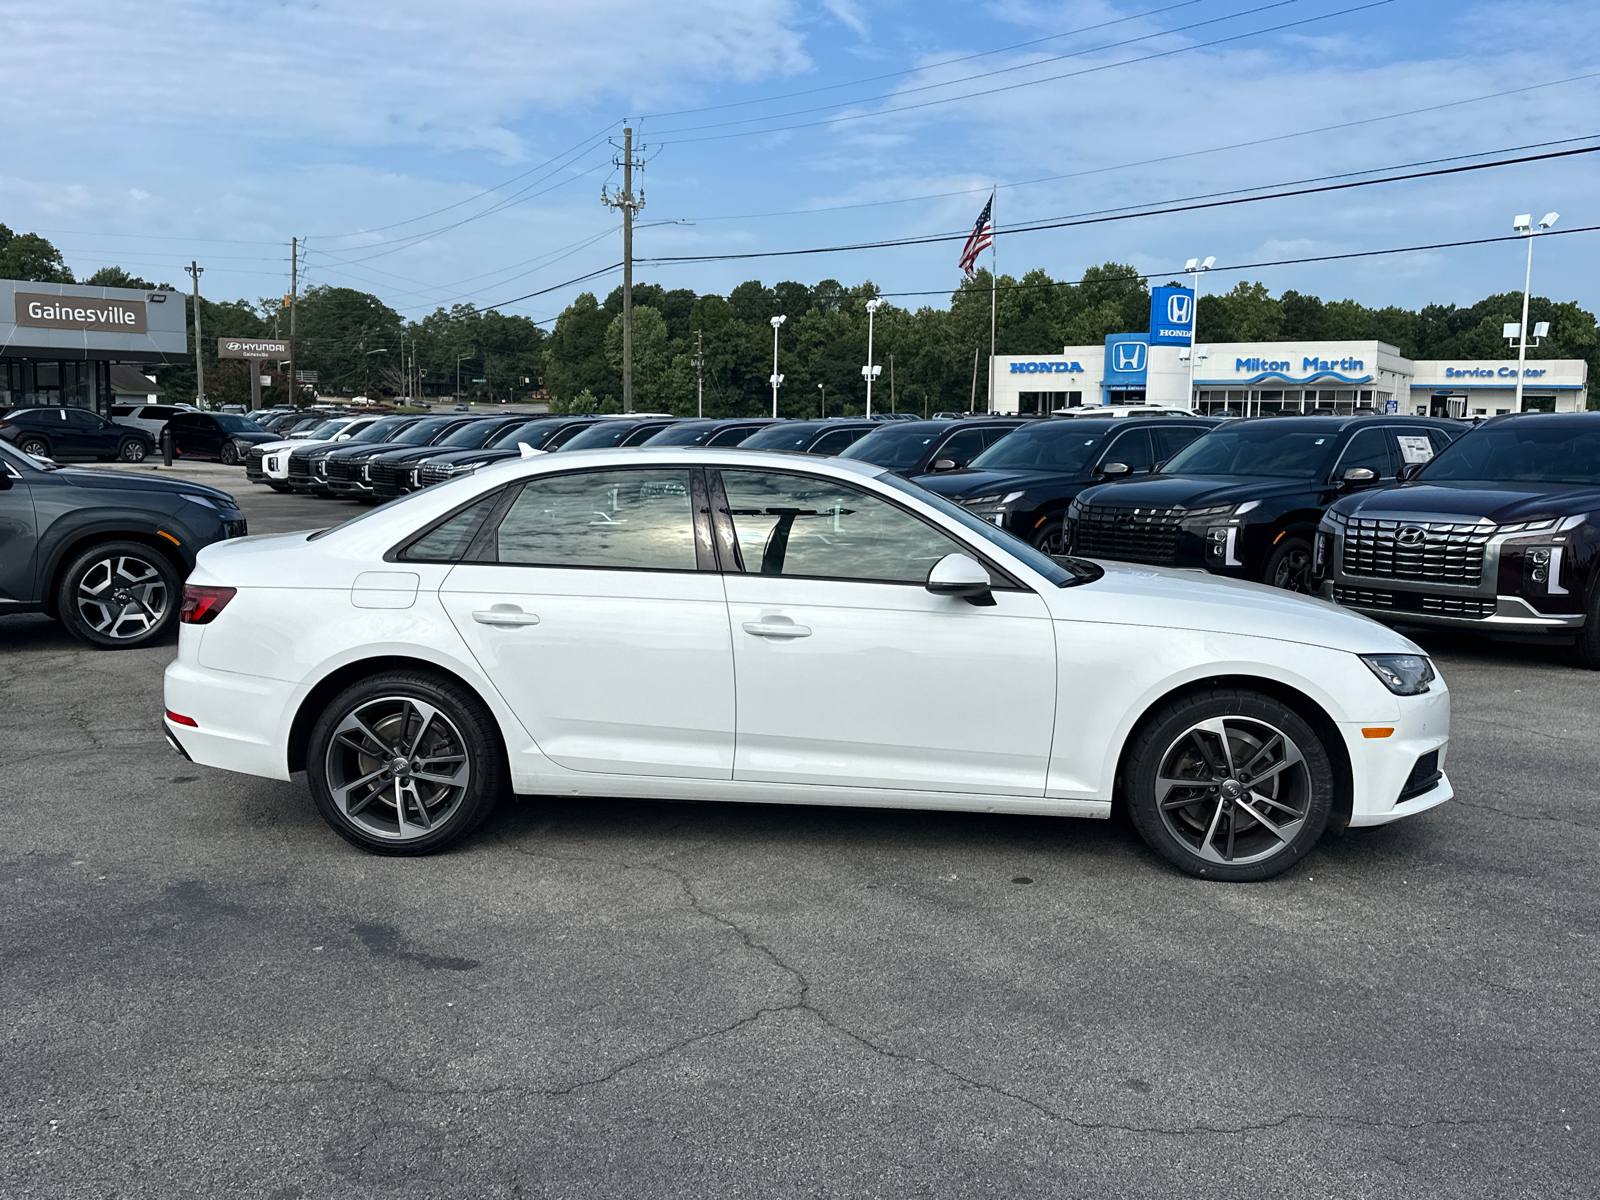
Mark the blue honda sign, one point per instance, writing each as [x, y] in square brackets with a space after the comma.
[1126, 357]
[1171, 316]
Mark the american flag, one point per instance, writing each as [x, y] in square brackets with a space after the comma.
[981, 238]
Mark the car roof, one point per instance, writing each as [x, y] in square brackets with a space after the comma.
[1574, 420]
[1340, 423]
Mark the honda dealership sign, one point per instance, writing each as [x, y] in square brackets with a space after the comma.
[1171, 316]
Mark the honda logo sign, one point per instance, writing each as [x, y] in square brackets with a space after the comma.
[1180, 309]
[1127, 357]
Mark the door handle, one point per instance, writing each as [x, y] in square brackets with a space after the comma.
[784, 628]
[504, 616]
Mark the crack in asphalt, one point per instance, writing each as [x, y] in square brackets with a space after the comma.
[1515, 816]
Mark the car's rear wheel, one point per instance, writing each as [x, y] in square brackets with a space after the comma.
[229, 454]
[1289, 565]
[1229, 785]
[133, 450]
[35, 446]
[119, 596]
[405, 763]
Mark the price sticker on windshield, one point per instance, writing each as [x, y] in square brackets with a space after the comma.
[1415, 449]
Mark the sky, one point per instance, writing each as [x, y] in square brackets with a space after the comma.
[441, 154]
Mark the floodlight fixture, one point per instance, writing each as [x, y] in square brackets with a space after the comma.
[1548, 220]
[1522, 223]
[1541, 329]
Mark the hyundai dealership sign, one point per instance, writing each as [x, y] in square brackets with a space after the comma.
[1171, 316]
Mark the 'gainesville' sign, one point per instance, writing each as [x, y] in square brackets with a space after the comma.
[81, 313]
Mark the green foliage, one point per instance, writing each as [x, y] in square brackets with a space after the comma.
[29, 256]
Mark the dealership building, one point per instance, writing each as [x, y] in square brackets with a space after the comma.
[1262, 378]
[60, 341]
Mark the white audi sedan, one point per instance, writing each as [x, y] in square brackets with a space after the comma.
[736, 625]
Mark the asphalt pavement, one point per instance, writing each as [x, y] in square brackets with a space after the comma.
[208, 993]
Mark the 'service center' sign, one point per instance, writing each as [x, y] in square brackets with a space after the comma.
[81, 313]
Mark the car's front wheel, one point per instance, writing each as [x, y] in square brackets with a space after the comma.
[1289, 565]
[133, 451]
[1229, 784]
[405, 763]
[1051, 537]
[229, 454]
[119, 596]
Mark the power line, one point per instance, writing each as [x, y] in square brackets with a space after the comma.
[884, 112]
[1064, 223]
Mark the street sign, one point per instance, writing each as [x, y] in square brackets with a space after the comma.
[480, 381]
[252, 348]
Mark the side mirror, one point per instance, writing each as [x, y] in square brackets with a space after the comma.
[961, 575]
[945, 464]
[1359, 477]
[1115, 470]
[1409, 471]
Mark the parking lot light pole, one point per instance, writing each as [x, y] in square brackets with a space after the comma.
[776, 378]
[459, 361]
[1195, 268]
[869, 372]
[823, 388]
[1523, 224]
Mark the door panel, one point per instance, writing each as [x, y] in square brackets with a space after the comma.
[17, 541]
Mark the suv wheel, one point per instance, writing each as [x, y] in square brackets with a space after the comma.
[119, 596]
[1289, 565]
[1587, 650]
[1229, 785]
[1051, 537]
[229, 454]
[405, 763]
[35, 446]
[133, 451]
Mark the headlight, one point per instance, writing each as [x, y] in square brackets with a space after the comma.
[366, 471]
[1402, 674]
[201, 500]
[464, 468]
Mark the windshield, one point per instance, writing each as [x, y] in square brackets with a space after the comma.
[900, 445]
[237, 424]
[470, 436]
[601, 434]
[1257, 450]
[1060, 446]
[422, 433]
[328, 428]
[685, 433]
[528, 431]
[1521, 452]
[380, 431]
[786, 435]
[1062, 573]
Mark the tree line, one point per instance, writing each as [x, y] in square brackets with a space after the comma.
[933, 357]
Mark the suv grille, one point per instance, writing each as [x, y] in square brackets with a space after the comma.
[432, 473]
[1427, 551]
[1148, 535]
[384, 474]
[253, 461]
[1470, 607]
[300, 467]
[341, 468]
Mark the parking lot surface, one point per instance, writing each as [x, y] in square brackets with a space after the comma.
[209, 993]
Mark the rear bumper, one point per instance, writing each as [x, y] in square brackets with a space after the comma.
[241, 721]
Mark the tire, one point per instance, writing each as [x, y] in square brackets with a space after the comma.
[1221, 825]
[35, 446]
[363, 755]
[133, 451]
[1289, 566]
[281, 487]
[119, 596]
[1051, 537]
[1587, 649]
[229, 454]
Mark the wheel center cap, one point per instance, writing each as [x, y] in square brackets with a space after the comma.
[400, 767]
[122, 597]
[1232, 789]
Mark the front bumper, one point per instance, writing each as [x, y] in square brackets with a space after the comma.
[1395, 605]
[1382, 768]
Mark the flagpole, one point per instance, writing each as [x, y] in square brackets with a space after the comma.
[994, 280]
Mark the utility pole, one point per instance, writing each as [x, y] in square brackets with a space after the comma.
[630, 206]
[699, 373]
[195, 271]
[294, 287]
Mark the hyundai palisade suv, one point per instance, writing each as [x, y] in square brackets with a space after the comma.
[910, 448]
[1024, 482]
[1500, 534]
[824, 437]
[1245, 500]
[544, 433]
[347, 470]
[103, 552]
[395, 472]
[309, 468]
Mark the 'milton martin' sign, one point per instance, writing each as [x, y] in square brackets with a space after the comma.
[81, 313]
[252, 348]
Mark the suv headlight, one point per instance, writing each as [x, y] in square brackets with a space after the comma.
[1402, 674]
[990, 508]
[463, 468]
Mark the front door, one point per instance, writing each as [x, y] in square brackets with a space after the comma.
[850, 673]
[594, 619]
[17, 539]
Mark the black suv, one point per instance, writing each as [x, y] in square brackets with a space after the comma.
[616, 432]
[63, 432]
[1500, 534]
[1245, 500]
[921, 447]
[347, 470]
[103, 552]
[395, 472]
[827, 436]
[709, 431]
[222, 436]
[308, 469]
[537, 433]
[1024, 482]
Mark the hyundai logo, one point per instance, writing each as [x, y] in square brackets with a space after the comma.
[1180, 308]
[1124, 519]
[1127, 356]
[1411, 536]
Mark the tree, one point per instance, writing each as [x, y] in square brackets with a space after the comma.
[29, 257]
[117, 277]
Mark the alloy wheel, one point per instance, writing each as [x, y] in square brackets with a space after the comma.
[397, 768]
[1233, 790]
[1053, 539]
[133, 451]
[1293, 572]
[122, 597]
[36, 447]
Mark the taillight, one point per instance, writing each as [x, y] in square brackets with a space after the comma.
[180, 719]
[202, 604]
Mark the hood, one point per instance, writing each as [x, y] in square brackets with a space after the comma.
[254, 438]
[1166, 598]
[1502, 503]
[402, 454]
[964, 484]
[1193, 491]
[121, 481]
[295, 444]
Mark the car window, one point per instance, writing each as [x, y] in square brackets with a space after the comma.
[449, 540]
[639, 520]
[1054, 446]
[781, 435]
[1131, 446]
[601, 435]
[560, 436]
[836, 440]
[122, 410]
[1169, 439]
[1541, 450]
[815, 528]
[732, 437]
[993, 434]
[961, 448]
[80, 419]
[1369, 448]
[897, 447]
[233, 424]
[1268, 449]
